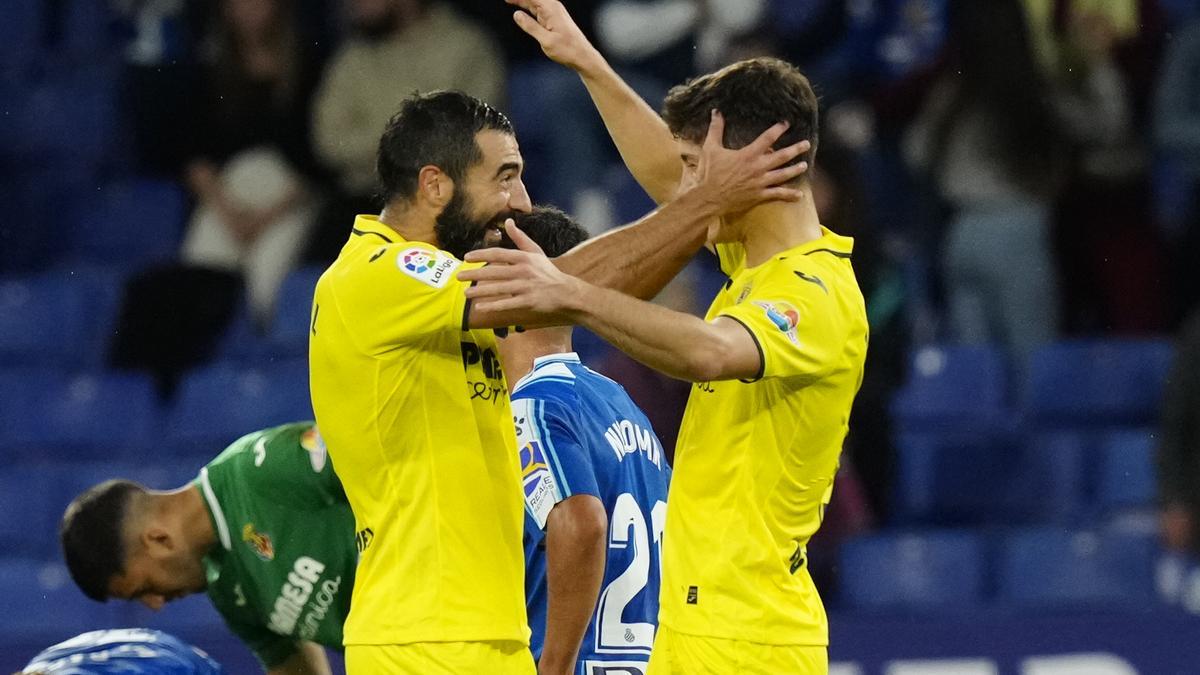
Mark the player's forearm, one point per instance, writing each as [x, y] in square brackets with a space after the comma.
[676, 344]
[640, 259]
[646, 145]
[575, 556]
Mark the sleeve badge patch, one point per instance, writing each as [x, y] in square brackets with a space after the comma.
[432, 268]
[784, 316]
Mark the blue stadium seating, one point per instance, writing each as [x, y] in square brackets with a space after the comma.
[57, 319]
[41, 319]
[28, 518]
[1054, 566]
[288, 335]
[221, 403]
[914, 571]
[135, 222]
[1117, 382]
[952, 388]
[88, 415]
[1127, 477]
[980, 478]
[45, 603]
[70, 117]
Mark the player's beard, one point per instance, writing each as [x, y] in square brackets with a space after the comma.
[458, 232]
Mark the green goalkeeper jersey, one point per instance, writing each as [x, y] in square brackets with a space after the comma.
[284, 566]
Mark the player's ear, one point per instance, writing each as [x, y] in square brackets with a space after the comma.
[158, 541]
[434, 186]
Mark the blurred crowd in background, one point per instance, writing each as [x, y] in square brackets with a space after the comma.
[1015, 172]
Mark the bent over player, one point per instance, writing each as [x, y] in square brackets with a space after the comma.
[265, 529]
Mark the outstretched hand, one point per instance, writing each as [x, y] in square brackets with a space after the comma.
[518, 280]
[548, 22]
[740, 179]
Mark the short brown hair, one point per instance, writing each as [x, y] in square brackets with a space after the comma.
[752, 95]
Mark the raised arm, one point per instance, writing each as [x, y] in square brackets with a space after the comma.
[640, 259]
[645, 143]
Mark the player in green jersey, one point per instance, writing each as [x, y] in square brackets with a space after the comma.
[265, 529]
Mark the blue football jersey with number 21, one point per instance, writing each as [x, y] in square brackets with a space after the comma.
[579, 433]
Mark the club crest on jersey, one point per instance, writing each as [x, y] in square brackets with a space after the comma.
[259, 542]
[784, 316]
[432, 268]
[315, 445]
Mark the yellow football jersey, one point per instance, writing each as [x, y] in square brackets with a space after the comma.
[415, 411]
[755, 460]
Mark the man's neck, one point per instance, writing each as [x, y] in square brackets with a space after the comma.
[519, 350]
[774, 227]
[409, 223]
[187, 505]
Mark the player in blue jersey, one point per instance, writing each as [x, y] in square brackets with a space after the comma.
[595, 483]
[129, 651]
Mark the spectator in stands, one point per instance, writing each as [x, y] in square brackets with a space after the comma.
[1177, 130]
[1179, 447]
[253, 171]
[1099, 57]
[395, 46]
[990, 140]
[124, 651]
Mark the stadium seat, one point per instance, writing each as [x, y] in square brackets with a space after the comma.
[949, 478]
[952, 388]
[57, 319]
[108, 415]
[45, 604]
[1117, 382]
[288, 335]
[1127, 472]
[221, 403]
[40, 319]
[914, 571]
[28, 518]
[1054, 566]
[136, 222]
[70, 116]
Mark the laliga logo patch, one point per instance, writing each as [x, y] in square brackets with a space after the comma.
[315, 445]
[784, 316]
[259, 542]
[433, 268]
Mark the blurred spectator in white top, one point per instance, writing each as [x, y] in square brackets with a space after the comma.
[395, 48]
[253, 171]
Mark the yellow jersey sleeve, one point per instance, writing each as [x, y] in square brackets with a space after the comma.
[792, 318]
[405, 293]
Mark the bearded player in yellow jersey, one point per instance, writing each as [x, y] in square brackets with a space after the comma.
[408, 389]
[777, 362]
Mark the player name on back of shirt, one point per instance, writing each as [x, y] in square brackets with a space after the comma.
[626, 438]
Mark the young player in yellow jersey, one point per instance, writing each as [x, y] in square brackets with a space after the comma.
[410, 395]
[777, 362]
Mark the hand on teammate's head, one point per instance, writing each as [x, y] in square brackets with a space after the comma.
[741, 179]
